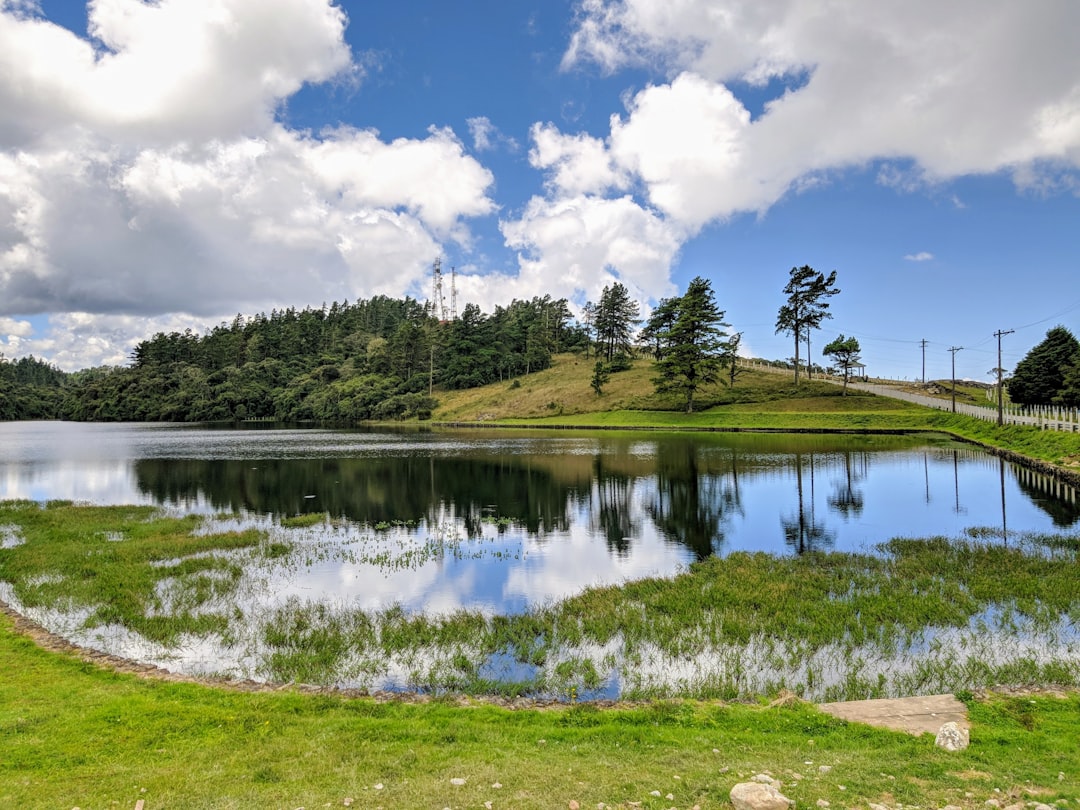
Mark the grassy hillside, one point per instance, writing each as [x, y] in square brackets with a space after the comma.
[565, 390]
[562, 396]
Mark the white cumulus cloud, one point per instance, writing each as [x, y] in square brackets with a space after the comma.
[145, 180]
[970, 87]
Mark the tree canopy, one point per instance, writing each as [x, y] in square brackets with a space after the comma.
[373, 359]
[1040, 378]
[844, 351]
[616, 317]
[807, 306]
[692, 343]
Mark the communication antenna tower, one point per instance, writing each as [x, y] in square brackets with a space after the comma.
[438, 304]
[453, 294]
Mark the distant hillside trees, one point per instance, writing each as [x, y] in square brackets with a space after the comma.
[30, 389]
[375, 359]
[1050, 373]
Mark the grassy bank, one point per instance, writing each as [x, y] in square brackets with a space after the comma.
[561, 396]
[72, 734]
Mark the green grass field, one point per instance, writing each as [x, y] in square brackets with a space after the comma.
[75, 735]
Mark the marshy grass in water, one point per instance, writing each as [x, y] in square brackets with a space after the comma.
[917, 616]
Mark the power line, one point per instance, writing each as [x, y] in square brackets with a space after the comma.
[1065, 311]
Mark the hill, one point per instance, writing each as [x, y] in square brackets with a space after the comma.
[564, 390]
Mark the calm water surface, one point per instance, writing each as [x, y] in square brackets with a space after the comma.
[436, 520]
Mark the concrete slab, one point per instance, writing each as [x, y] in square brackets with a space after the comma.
[915, 715]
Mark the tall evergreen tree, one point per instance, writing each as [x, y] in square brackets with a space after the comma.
[1040, 376]
[616, 318]
[694, 345]
[1069, 393]
[806, 307]
[659, 324]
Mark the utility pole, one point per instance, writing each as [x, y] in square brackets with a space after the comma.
[954, 350]
[1001, 407]
[923, 343]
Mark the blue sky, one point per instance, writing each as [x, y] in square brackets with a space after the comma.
[168, 165]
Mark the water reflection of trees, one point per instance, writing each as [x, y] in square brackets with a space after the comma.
[689, 488]
[846, 498]
[371, 490]
[613, 507]
[691, 504]
[802, 531]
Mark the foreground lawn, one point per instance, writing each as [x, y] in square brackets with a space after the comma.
[72, 734]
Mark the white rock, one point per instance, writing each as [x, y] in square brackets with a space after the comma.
[756, 796]
[822, 803]
[874, 806]
[824, 768]
[951, 737]
[458, 781]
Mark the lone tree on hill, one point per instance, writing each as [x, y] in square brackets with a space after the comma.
[844, 351]
[1040, 377]
[806, 307]
[694, 345]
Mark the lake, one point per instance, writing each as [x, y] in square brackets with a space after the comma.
[438, 521]
[538, 515]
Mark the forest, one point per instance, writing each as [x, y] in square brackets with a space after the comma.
[375, 359]
[381, 358]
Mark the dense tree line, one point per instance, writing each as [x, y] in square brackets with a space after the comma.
[1050, 373]
[30, 389]
[374, 359]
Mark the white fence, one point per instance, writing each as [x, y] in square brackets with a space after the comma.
[1044, 418]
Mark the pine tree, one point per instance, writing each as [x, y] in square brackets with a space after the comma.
[1040, 376]
[616, 318]
[806, 306]
[845, 352]
[695, 344]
